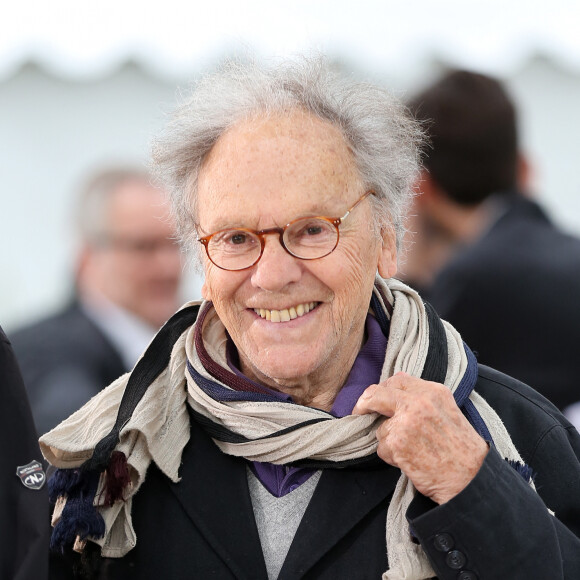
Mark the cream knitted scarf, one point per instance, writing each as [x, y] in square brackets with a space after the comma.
[104, 449]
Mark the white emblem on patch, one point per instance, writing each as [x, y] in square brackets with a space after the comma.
[32, 474]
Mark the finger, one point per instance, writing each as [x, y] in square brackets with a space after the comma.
[406, 382]
[360, 407]
[379, 398]
[365, 403]
[384, 448]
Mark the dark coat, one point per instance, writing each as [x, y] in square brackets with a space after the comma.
[514, 297]
[24, 517]
[497, 528]
[65, 360]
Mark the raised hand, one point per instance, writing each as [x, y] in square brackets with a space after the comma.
[425, 435]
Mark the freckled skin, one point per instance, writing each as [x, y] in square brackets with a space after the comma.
[425, 435]
[266, 173]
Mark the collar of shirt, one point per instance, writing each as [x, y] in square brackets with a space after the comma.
[128, 333]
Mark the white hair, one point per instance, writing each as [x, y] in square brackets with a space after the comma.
[383, 137]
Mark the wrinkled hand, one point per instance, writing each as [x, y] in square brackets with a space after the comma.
[426, 436]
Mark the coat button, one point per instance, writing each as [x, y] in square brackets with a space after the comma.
[466, 575]
[443, 542]
[455, 559]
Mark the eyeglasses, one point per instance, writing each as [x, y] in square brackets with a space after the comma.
[306, 238]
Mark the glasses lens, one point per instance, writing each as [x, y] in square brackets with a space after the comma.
[311, 238]
[234, 249]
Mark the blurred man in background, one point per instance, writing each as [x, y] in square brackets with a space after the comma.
[127, 280]
[485, 254]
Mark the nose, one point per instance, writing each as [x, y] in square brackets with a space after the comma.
[276, 268]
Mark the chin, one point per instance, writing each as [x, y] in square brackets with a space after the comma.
[282, 367]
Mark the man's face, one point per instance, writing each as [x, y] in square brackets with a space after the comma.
[266, 173]
[138, 267]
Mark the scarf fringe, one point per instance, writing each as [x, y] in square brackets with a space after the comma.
[523, 469]
[80, 518]
[117, 478]
[68, 482]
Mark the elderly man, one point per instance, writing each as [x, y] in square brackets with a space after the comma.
[128, 272]
[312, 417]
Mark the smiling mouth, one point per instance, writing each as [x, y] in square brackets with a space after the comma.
[287, 314]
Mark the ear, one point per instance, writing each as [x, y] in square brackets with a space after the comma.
[387, 263]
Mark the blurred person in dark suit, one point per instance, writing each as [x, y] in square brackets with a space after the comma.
[486, 255]
[127, 281]
[24, 529]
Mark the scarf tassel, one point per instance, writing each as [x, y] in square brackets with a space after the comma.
[117, 478]
[67, 482]
[79, 517]
[524, 470]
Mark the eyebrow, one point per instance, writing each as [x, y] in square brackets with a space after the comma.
[235, 226]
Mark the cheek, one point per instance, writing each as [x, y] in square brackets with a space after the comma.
[221, 287]
[114, 267]
[211, 285]
[352, 282]
[357, 269]
[211, 288]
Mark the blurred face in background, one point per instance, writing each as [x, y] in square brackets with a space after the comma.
[135, 264]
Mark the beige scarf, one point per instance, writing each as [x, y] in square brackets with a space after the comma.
[159, 427]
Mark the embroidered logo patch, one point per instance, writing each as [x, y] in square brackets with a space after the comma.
[32, 474]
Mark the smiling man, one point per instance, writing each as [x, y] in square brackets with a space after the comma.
[291, 166]
[312, 417]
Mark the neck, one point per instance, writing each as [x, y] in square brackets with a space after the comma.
[464, 224]
[319, 388]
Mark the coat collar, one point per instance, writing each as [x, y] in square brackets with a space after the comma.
[341, 500]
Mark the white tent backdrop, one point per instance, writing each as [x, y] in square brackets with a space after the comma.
[81, 39]
[85, 84]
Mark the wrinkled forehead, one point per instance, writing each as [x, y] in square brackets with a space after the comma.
[294, 158]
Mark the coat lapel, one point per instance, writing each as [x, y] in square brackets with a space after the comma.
[341, 500]
[214, 493]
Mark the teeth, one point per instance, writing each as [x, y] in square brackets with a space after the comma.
[286, 314]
